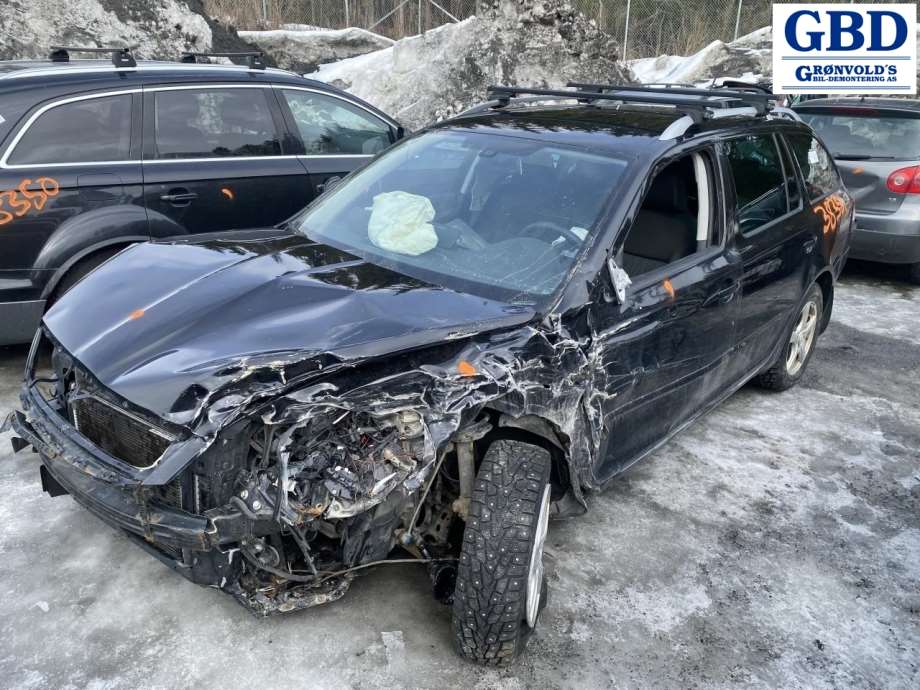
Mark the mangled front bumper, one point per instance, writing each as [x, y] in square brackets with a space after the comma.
[85, 472]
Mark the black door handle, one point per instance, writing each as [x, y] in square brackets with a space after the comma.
[179, 197]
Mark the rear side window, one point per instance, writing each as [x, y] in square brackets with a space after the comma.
[861, 132]
[817, 167]
[214, 123]
[760, 189]
[332, 126]
[94, 130]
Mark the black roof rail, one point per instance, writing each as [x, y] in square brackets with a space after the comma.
[741, 85]
[254, 58]
[666, 94]
[696, 106]
[121, 55]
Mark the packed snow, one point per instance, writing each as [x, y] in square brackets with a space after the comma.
[749, 58]
[158, 28]
[302, 50]
[422, 79]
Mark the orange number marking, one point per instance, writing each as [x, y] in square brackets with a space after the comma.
[15, 203]
[831, 210]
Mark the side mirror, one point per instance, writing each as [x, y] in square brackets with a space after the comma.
[400, 133]
[620, 280]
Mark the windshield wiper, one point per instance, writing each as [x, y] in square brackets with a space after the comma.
[861, 157]
[852, 156]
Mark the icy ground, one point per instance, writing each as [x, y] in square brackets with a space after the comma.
[775, 543]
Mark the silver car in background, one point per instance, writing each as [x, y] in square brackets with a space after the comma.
[876, 144]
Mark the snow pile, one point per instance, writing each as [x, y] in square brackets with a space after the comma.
[425, 78]
[159, 28]
[748, 58]
[304, 49]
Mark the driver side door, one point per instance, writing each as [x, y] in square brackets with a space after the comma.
[666, 348]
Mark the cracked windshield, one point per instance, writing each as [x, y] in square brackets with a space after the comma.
[495, 215]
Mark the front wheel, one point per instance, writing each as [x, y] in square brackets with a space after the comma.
[797, 352]
[501, 588]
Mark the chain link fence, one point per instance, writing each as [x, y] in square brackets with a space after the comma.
[645, 28]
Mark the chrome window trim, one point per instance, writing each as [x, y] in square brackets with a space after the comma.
[41, 111]
[224, 159]
[202, 87]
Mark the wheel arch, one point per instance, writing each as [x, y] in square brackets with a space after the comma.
[539, 432]
[85, 253]
[80, 236]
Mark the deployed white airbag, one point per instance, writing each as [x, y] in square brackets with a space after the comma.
[400, 222]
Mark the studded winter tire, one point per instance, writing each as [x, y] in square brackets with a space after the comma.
[501, 588]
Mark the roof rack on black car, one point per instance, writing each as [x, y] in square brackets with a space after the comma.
[695, 105]
[507, 95]
[121, 55]
[720, 97]
[254, 59]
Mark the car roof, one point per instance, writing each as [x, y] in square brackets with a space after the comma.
[911, 104]
[607, 128]
[48, 73]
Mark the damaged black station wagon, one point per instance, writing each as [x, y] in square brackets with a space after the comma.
[450, 347]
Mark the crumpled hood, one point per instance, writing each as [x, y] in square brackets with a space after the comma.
[161, 323]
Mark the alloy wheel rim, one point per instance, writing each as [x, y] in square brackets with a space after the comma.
[801, 339]
[535, 573]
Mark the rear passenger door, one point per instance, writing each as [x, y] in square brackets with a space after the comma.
[70, 182]
[775, 239]
[337, 135]
[218, 157]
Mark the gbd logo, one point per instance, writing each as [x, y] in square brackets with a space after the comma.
[846, 30]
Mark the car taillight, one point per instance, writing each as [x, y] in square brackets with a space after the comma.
[905, 180]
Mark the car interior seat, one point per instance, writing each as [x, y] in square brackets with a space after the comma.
[519, 200]
[665, 227]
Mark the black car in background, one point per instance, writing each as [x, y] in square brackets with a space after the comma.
[494, 317]
[97, 155]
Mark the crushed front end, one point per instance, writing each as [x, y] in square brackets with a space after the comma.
[279, 514]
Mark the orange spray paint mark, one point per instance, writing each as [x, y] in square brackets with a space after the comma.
[227, 192]
[15, 203]
[136, 314]
[669, 288]
[466, 369]
[831, 211]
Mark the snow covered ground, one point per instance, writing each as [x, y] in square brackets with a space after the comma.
[775, 543]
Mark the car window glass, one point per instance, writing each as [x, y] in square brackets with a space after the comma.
[86, 131]
[867, 133]
[497, 216]
[331, 126]
[760, 189]
[214, 123]
[817, 167]
[667, 225]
